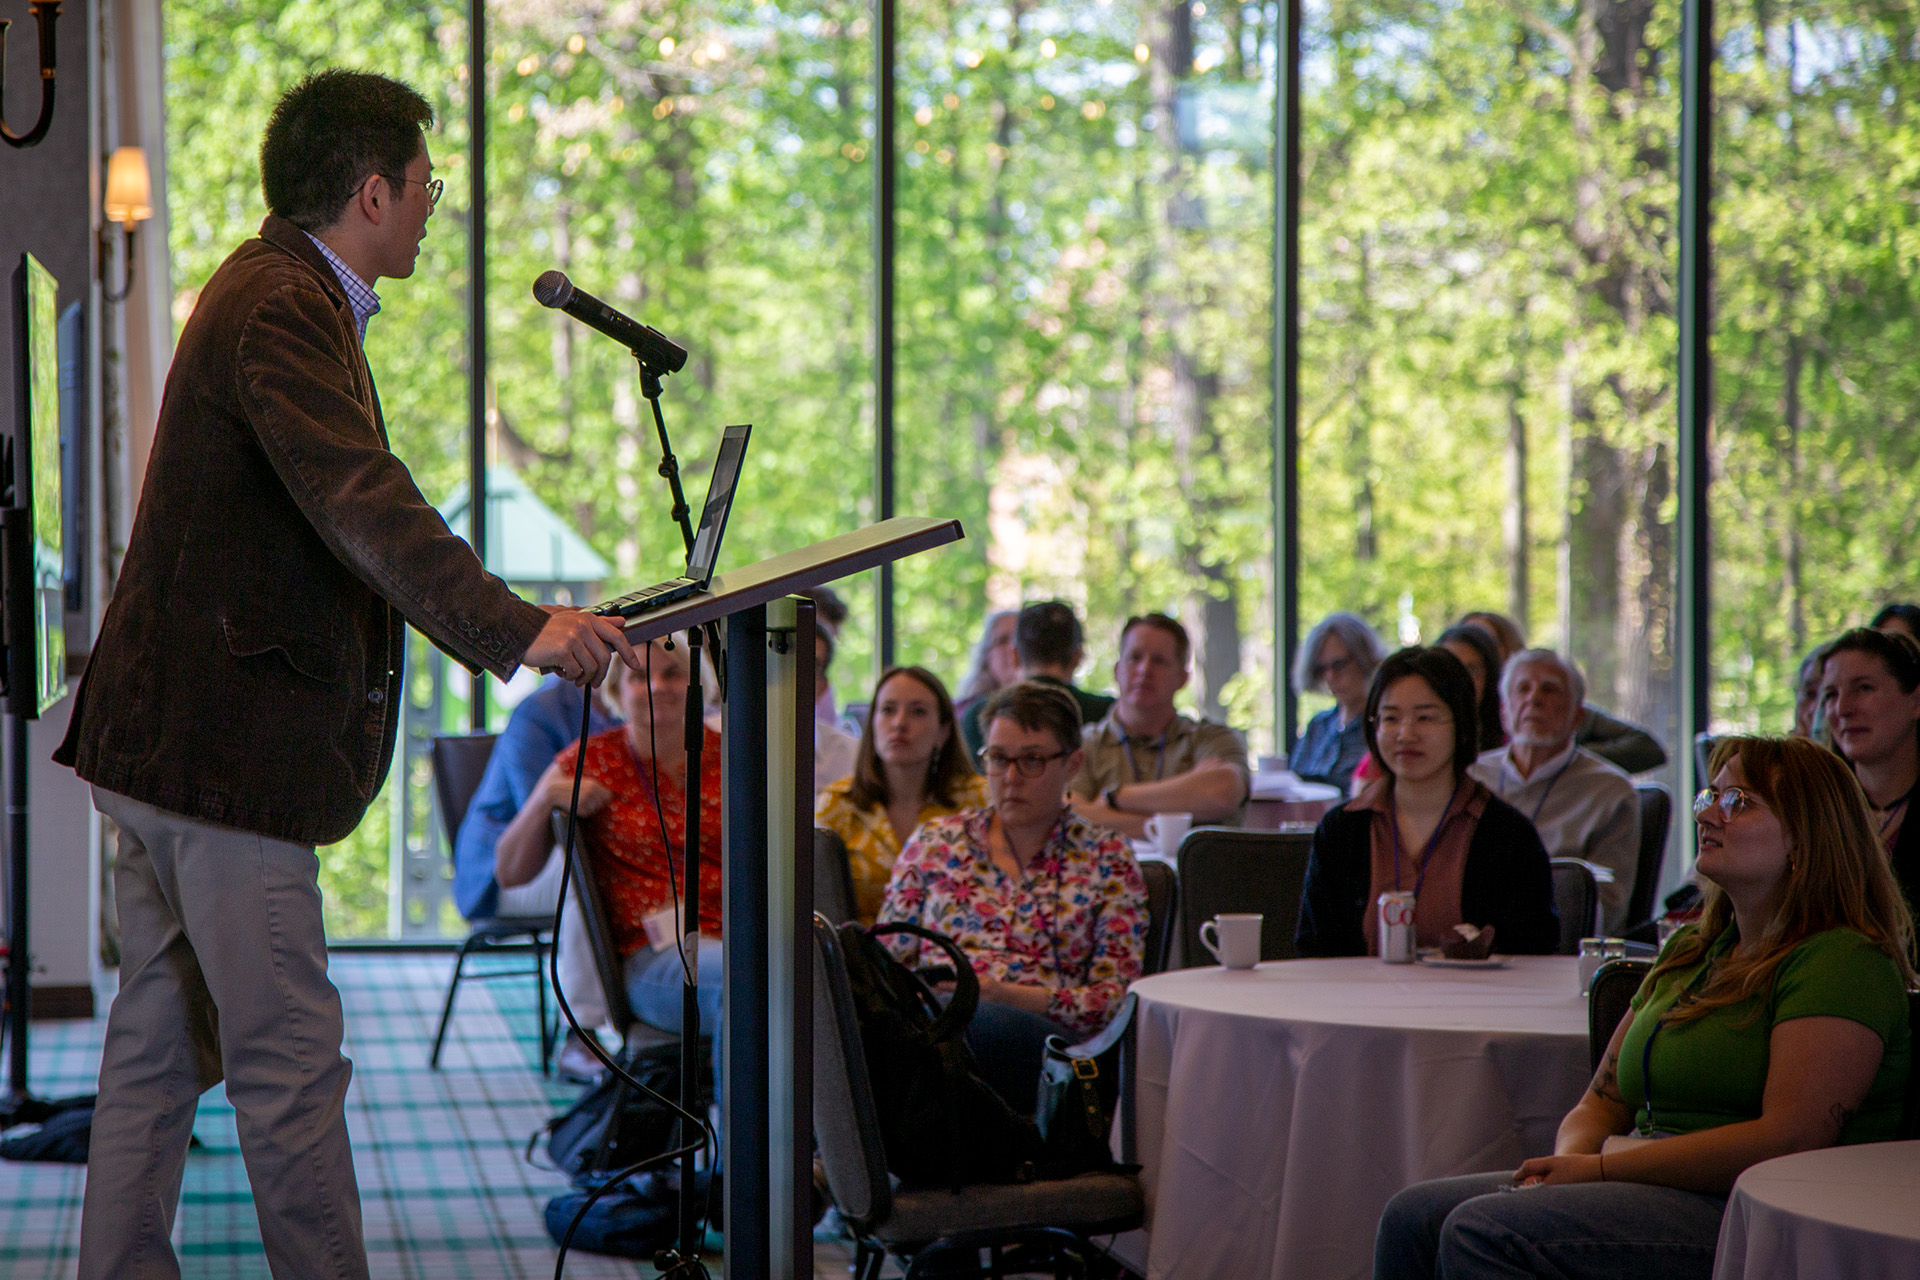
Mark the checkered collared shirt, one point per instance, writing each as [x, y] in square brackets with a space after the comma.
[364, 301]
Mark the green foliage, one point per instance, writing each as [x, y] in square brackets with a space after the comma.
[1084, 365]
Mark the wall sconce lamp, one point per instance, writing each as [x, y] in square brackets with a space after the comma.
[129, 202]
[45, 12]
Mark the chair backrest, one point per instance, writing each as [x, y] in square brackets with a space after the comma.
[1576, 897]
[1656, 815]
[458, 763]
[1910, 1117]
[1607, 1000]
[1163, 904]
[1229, 869]
[845, 1124]
[598, 924]
[832, 877]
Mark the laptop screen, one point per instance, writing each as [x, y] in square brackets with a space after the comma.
[713, 518]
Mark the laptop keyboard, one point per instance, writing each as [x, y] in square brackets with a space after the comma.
[646, 598]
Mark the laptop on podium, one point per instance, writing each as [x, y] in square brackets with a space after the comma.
[706, 539]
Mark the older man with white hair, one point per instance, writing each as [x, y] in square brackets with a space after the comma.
[1582, 806]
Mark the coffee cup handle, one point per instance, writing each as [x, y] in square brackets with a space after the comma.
[1213, 944]
[1153, 828]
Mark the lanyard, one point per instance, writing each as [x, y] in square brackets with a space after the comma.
[1160, 761]
[1571, 757]
[1646, 1050]
[1433, 841]
[1893, 811]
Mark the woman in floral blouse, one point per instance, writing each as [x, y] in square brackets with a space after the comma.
[1051, 910]
[910, 768]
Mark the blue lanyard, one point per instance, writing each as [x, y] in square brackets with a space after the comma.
[1551, 782]
[1426, 855]
[1160, 763]
[1646, 1050]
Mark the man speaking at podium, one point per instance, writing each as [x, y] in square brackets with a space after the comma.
[241, 702]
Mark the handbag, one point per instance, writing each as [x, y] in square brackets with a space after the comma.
[1079, 1088]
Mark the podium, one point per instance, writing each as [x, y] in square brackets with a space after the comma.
[767, 898]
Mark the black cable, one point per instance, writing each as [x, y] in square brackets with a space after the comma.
[706, 1139]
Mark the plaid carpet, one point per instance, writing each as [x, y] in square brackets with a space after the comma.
[444, 1189]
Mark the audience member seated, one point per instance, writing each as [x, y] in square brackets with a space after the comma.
[830, 614]
[1870, 692]
[1616, 741]
[1051, 647]
[1808, 722]
[546, 720]
[1582, 806]
[1050, 909]
[633, 801]
[833, 747]
[993, 664]
[909, 767]
[1424, 827]
[1481, 657]
[1900, 619]
[1776, 1024]
[1144, 757]
[1338, 658]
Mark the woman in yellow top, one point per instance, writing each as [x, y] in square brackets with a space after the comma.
[910, 768]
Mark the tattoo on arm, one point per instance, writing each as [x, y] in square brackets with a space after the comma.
[1606, 1081]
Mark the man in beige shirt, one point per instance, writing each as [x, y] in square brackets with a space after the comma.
[1143, 757]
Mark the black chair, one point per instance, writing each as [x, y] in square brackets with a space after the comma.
[1163, 905]
[1607, 1000]
[832, 877]
[1226, 869]
[1576, 896]
[1656, 815]
[458, 763]
[937, 1231]
[635, 1036]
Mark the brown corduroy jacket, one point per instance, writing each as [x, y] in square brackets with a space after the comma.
[247, 672]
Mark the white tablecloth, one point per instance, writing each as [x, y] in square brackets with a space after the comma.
[1844, 1211]
[1279, 1109]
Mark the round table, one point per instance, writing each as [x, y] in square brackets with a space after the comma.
[1276, 1110]
[1842, 1211]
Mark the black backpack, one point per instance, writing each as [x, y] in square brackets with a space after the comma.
[613, 1124]
[940, 1123]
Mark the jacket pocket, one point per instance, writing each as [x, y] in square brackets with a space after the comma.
[315, 657]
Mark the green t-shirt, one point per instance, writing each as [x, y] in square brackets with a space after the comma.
[1712, 1070]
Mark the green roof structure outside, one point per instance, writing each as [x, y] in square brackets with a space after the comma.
[526, 541]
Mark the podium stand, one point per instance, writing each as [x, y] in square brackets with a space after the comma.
[767, 820]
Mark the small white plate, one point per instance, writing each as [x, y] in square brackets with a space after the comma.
[1447, 962]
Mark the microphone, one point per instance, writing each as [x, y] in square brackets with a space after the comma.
[653, 348]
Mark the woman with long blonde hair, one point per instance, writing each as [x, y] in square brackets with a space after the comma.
[1776, 1024]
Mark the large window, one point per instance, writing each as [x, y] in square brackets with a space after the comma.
[1817, 480]
[1487, 415]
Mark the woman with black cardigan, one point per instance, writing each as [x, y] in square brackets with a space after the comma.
[1423, 826]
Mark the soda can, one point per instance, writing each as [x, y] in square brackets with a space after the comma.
[1396, 927]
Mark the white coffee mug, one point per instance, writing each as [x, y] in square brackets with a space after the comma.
[1167, 830]
[1235, 942]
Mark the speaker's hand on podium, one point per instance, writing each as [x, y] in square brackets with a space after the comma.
[578, 646]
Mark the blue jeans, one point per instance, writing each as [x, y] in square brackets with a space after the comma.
[654, 984]
[1010, 1044]
[1455, 1228]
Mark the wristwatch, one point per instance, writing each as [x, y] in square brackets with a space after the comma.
[1111, 796]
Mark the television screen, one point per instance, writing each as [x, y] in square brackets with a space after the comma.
[35, 587]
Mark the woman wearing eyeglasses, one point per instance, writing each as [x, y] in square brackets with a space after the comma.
[1776, 1024]
[1050, 909]
[1422, 826]
[909, 768]
[1338, 658]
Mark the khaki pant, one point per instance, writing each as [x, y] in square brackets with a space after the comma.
[223, 975]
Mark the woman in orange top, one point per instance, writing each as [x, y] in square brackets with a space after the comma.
[910, 768]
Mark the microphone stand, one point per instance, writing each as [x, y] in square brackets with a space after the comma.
[690, 1216]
